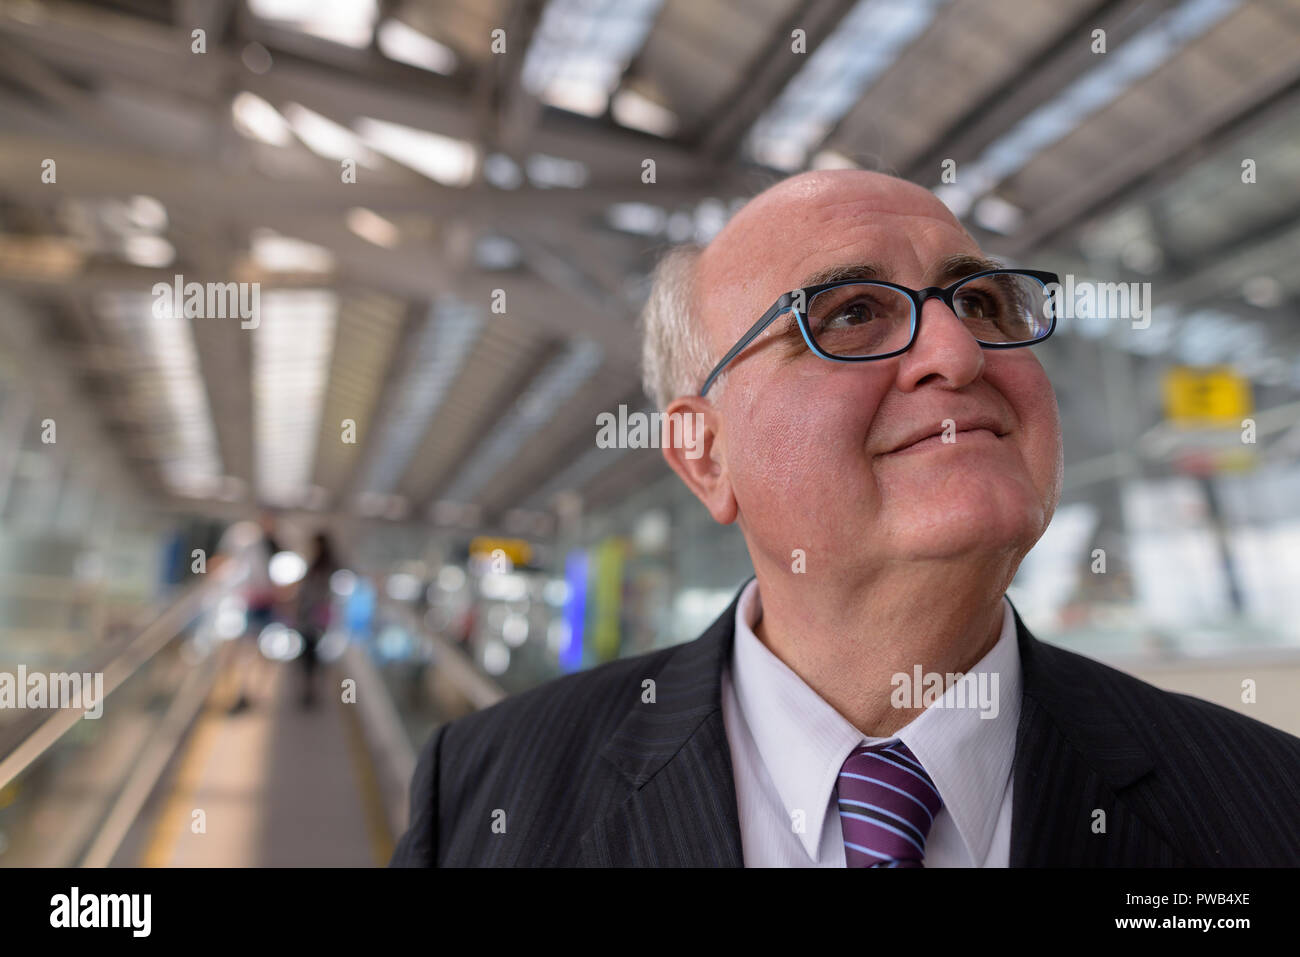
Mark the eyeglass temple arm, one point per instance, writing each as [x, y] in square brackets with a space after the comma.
[782, 305]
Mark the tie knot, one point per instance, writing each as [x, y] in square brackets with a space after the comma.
[887, 804]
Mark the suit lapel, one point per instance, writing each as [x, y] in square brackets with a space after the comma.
[1083, 786]
[679, 809]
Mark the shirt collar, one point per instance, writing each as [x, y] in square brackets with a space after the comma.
[803, 741]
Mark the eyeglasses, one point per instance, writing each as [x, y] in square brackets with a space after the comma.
[852, 321]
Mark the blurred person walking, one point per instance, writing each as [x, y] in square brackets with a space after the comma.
[314, 612]
[260, 594]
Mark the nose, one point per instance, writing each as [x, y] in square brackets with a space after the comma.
[945, 352]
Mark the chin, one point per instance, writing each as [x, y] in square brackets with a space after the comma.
[983, 519]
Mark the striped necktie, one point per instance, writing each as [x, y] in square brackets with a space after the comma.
[887, 805]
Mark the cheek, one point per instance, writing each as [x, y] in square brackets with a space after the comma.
[798, 444]
[1034, 401]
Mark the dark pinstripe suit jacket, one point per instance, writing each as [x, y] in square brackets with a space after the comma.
[581, 772]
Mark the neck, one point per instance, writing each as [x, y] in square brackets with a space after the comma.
[848, 638]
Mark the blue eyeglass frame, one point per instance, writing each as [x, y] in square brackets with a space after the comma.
[919, 297]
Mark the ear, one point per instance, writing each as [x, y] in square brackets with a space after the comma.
[692, 445]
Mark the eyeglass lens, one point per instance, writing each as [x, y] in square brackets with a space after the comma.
[866, 319]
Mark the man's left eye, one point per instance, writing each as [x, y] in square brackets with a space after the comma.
[974, 307]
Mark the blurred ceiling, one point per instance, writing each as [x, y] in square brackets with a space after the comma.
[519, 168]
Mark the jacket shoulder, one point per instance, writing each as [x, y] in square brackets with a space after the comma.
[1173, 718]
[1226, 785]
[587, 704]
[533, 755]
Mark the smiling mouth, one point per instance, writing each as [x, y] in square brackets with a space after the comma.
[936, 440]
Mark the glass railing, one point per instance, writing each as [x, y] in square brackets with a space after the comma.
[80, 730]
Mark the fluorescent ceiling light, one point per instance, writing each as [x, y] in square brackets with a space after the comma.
[147, 213]
[373, 228]
[397, 41]
[832, 159]
[1262, 292]
[629, 108]
[710, 216]
[166, 391]
[576, 96]
[450, 330]
[581, 48]
[642, 219]
[292, 347]
[546, 171]
[350, 22]
[502, 172]
[326, 138]
[868, 41]
[256, 57]
[960, 197]
[146, 250]
[1116, 72]
[680, 227]
[443, 159]
[257, 119]
[558, 380]
[997, 215]
[496, 252]
[276, 253]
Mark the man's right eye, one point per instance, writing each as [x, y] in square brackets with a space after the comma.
[850, 314]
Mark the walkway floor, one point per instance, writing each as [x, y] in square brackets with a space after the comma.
[272, 785]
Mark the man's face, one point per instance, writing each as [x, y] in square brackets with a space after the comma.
[808, 449]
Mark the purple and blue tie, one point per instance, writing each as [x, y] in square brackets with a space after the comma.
[887, 805]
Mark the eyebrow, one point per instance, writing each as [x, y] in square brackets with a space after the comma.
[946, 271]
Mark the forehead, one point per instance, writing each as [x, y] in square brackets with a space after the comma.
[815, 221]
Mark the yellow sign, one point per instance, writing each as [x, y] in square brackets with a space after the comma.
[516, 549]
[1211, 396]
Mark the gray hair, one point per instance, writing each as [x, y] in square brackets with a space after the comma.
[674, 349]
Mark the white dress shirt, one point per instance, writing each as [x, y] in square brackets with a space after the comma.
[787, 747]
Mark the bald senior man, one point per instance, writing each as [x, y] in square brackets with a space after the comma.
[871, 412]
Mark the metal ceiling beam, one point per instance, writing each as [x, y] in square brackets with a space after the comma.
[531, 302]
[497, 406]
[424, 272]
[56, 394]
[414, 271]
[214, 17]
[51, 88]
[1062, 61]
[605, 256]
[509, 114]
[82, 39]
[225, 364]
[763, 79]
[535, 460]
[86, 170]
[400, 362]
[566, 440]
[1202, 278]
[638, 469]
[1158, 160]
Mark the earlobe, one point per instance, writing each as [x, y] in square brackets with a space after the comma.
[693, 447]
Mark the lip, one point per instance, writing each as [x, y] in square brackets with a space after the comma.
[977, 428]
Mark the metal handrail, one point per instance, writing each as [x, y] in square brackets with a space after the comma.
[32, 738]
[479, 689]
